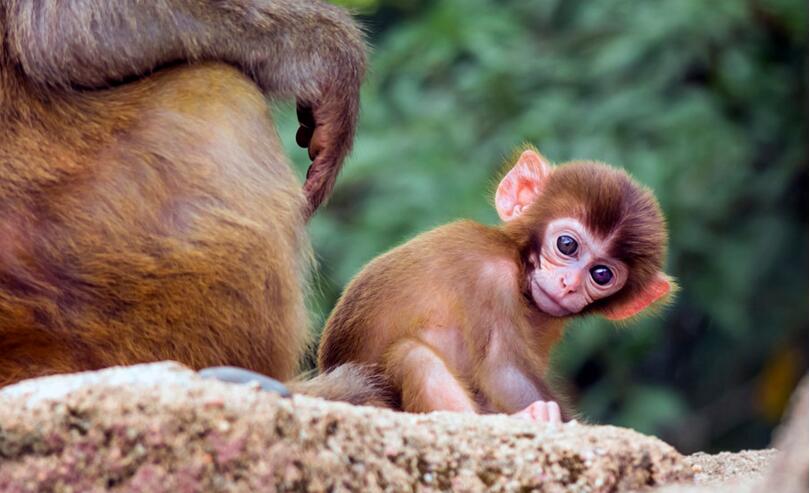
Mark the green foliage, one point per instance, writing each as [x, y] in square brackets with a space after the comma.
[705, 102]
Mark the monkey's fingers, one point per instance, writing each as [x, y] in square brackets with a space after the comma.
[232, 374]
[331, 140]
[303, 137]
[307, 126]
[305, 116]
[554, 412]
[541, 412]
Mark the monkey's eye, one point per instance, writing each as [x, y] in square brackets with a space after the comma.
[567, 245]
[601, 275]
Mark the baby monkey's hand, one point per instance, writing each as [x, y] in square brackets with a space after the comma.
[541, 412]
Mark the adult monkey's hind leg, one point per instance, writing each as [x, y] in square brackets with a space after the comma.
[129, 229]
[309, 50]
[164, 223]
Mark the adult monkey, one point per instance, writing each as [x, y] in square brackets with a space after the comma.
[149, 217]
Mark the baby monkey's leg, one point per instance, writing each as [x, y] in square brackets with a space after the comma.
[518, 392]
[426, 380]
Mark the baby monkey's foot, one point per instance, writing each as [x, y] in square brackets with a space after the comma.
[541, 412]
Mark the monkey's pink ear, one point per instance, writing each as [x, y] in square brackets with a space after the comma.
[522, 185]
[657, 289]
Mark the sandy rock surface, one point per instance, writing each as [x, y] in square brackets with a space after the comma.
[739, 472]
[783, 469]
[160, 427]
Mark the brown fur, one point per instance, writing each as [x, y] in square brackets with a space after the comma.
[352, 383]
[159, 219]
[466, 282]
[433, 279]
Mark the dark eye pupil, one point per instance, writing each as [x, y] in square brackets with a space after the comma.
[566, 245]
[601, 275]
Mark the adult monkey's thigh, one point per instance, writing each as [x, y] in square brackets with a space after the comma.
[160, 219]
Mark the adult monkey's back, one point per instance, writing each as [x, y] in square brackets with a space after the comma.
[156, 217]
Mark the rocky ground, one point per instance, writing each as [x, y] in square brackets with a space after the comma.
[160, 427]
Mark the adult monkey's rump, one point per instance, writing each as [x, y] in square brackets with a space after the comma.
[147, 211]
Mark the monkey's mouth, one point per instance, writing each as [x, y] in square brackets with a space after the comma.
[545, 302]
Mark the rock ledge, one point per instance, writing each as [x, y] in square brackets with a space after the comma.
[160, 427]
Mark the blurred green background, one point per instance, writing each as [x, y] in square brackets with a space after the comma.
[705, 102]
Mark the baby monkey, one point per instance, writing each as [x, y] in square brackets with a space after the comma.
[463, 317]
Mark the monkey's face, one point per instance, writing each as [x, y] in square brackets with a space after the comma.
[572, 269]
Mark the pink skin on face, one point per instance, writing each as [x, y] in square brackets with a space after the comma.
[561, 283]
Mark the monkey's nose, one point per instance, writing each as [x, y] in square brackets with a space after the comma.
[569, 282]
